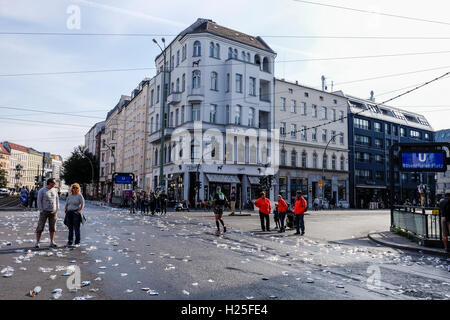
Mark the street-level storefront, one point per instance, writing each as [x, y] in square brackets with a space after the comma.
[371, 196]
[175, 187]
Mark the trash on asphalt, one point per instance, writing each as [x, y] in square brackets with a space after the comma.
[152, 292]
[35, 291]
[85, 283]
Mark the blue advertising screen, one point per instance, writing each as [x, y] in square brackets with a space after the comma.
[123, 179]
[426, 161]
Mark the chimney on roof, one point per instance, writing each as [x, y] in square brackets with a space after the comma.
[296, 81]
[324, 87]
[372, 98]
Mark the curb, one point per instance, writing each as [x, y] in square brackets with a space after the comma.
[404, 247]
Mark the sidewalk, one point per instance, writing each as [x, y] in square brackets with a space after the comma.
[394, 240]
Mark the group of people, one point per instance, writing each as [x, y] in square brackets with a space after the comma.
[146, 203]
[48, 206]
[29, 197]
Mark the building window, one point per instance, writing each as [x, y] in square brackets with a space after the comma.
[178, 84]
[251, 117]
[303, 133]
[217, 51]
[196, 79]
[196, 112]
[293, 158]
[177, 117]
[334, 114]
[324, 113]
[315, 161]
[304, 159]
[333, 137]
[214, 81]
[211, 49]
[377, 126]
[363, 174]
[379, 158]
[314, 111]
[283, 157]
[306, 94]
[333, 162]
[293, 130]
[303, 109]
[227, 116]
[387, 128]
[283, 104]
[403, 132]
[195, 150]
[183, 53]
[252, 87]
[178, 57]
[227, 89]
[414, 134]
[238, 82]
[230, 53]
[182, 114]
[341, 116]
[426, 136]
[157, 122]
[342, 163]
[395, 130]
[293, 106]
[157, 94]
[212, 113]
[341, 138]
[378, 143]
[361, 124]
[324, 135]
[362, 140]
[283, 129]
[235, 54]
[325, 161]
[237, 114]
[183, 82]
[314, 134]
[243, 56]
[197, 49]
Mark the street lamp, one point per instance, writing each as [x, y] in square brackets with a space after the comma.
[323, 167]
[163, 114]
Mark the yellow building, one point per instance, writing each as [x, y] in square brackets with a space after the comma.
[34, 167]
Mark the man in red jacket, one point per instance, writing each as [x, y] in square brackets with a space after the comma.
[299, 210]
[282, 208]
[264, 210]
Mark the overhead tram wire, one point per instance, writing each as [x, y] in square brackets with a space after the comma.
[238, 62]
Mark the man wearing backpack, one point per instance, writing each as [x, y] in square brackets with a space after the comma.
[299, 211]
[444, 207]
[219, 203]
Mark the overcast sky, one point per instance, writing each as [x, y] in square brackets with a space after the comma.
[88, 96]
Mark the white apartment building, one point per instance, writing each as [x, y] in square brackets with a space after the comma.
[90, 137]
[308, 152]
[218, 113]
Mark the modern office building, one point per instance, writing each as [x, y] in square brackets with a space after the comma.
[372, 130]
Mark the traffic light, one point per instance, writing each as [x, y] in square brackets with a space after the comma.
[36, 179]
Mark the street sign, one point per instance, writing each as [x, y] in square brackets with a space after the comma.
[320, 183]
[423, 161]
[123, 179]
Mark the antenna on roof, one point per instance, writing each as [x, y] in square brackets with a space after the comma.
[324, 87]
[372, 98]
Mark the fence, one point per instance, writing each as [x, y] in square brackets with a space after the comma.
[424, 222]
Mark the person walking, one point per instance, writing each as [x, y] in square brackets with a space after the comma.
[152, 203]
[48, 205]
[163, 202]
[316, 204]
[138, 201]
[73, 208]
[219, 203]
[299, 211]
[282, 209]
[35, 195]
[133, 200]
[444, 207]
[264, 210]
[233, 201]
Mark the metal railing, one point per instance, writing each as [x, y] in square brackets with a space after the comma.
[424, 222]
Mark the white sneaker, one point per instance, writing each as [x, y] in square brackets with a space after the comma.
[37, 245]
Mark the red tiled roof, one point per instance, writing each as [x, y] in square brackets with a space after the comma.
[17, 147]
[3, 150]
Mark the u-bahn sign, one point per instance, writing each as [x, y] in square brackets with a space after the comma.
[123, 178]
[423, 161]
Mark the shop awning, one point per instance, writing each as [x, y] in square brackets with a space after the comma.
[253, 180]
[222, 178]
[370, 186]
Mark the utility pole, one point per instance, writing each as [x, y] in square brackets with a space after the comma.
[163, 115]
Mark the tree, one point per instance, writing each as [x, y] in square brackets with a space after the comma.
[78, 168]
[3, 179]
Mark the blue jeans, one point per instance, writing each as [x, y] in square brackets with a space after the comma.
[74, 224]
[300, 222]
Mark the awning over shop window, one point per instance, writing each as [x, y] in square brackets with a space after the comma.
[223, 178]
[370, 186]
[253, 180]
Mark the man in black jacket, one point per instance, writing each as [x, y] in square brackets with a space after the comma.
[444, 207]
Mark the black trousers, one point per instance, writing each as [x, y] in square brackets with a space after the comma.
[266, 217]
[282, 216]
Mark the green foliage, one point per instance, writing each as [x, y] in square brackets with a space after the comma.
[3, 179]
[78, 168]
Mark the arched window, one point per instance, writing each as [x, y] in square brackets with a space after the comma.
[217, 51]
[294, 158]
[283, 157]
[178, 84]
[214, 80]
[257, 60]
[243, 55]
[315, 160]
[325, 161]
[342, 163]
[248, 56]
[230, 53]
[304, 159]
[157, 122]
[195, 150]
[197, 49]
[266, 65]
[156, 157]
[235, 54]
[211, 49]
[333, 162]
[237, 114]
[196, 79]
[183, 82]
[251, 117]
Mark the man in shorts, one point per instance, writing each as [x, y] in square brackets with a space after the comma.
[444, 207]
[48, 205]
[219, 202]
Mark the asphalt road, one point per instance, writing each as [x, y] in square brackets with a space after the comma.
[178, 256]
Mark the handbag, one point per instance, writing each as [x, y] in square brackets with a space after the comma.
[83, 219]
[66, 219]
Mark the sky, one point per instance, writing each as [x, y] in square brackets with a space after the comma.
[332, 36]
